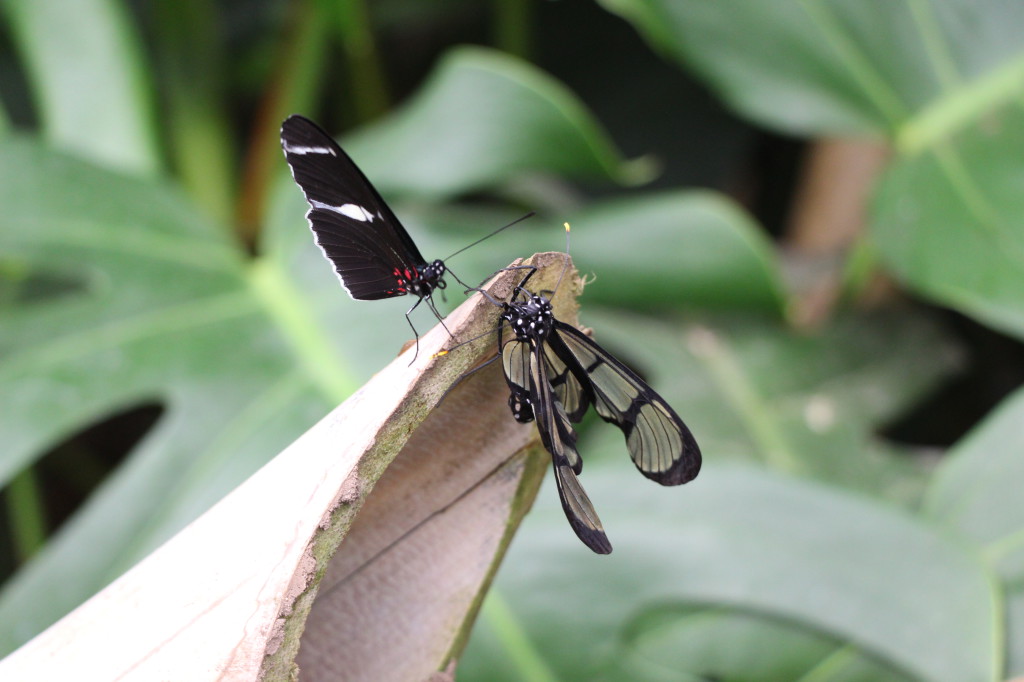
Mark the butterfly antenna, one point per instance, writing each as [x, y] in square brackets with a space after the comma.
[505, 227]
[566, 266]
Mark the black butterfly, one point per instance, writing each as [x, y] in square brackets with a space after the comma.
[372, 253]
[554, 373]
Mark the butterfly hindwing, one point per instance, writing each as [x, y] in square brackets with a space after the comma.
[570, 391]
[515, 360]
[659, 443]
[559, 438]
[371, 251]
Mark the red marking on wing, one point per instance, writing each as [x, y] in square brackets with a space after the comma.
[400, 280]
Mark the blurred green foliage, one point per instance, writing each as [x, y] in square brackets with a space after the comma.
[140, 171]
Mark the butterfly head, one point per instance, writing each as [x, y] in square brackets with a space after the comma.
[433, 274]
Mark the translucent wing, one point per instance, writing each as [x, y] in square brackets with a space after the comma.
[579, 511]
[370, 249]
[659, 443]
[574, 395]
[515, 360]
[560, 440]
[558, 436]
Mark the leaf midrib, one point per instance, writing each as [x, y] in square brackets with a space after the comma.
[289, 310]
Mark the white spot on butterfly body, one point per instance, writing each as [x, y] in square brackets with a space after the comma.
[353, 211]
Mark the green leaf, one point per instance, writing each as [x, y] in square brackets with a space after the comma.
[941, 80]
[844, 66]
[651, 251]
[741, 646]
[889, 585]
[754, 390]
[949, 221]
[976, 491]
[691, 248]
[1015, 632]
[491, 118]
[86, 67]
[190, 58]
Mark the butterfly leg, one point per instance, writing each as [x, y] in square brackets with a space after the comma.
[485, 295]
[433, 309]
[413, 328]
[522, 284]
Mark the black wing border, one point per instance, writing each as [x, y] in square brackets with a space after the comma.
[687, 465]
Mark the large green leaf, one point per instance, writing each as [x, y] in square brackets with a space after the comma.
[942, 81]
[190, 58]
[692, 248]
[976, 490]
[85, 66]
[889, 585]
[843, 66]
[485, 117]
[669, 642]
[739, 645]
[950, 219]
[976, 493]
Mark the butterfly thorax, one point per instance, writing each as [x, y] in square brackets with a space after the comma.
[531, 320]
[423, 280]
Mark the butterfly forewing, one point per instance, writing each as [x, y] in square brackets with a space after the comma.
[357, 231]
[362, 262]
[659, 443]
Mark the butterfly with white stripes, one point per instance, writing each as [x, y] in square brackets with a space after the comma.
[372, 253]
